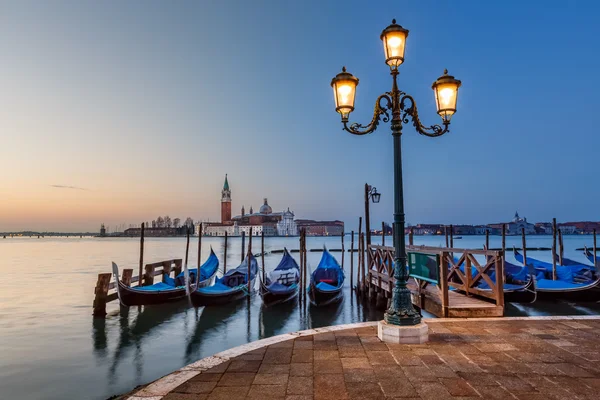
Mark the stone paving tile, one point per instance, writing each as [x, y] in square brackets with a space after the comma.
[270, 379]
[300, 385]
[303, 369]
[519, 359]
[262, 392]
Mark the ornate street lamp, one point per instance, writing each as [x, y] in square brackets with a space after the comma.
[373, 194]
[401, 106]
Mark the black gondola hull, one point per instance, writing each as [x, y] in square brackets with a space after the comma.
[526, 295]
[320, 298]
[270, 298]
[591, 294]
[131, 297]
[200, 299]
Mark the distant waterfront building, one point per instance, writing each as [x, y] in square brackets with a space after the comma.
[321, 228]
[265, 220]
[102, 230]
[514, 227]
[287, 226]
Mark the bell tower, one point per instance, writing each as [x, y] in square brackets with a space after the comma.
[225, 202]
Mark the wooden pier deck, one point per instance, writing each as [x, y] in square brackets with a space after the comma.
[459, 305]
[434, 293]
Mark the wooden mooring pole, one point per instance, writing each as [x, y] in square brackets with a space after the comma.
[504, 238]
[382, 233]
[362, 262]
[225, 254]
[553, 249]
[561, 249]
[359, 266]
[249, 263]
[199, 262]
[141, 270]
[452, 236]
[187, 245]
[352, 261]
[595, 249]
[524, 241]
[244, 244]
[262, 253]
[101, 293]
[342, 251]
[487, 239]
[367, 217]
[410, 236]
[446, 235]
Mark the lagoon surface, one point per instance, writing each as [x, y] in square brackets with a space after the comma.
[52, 348]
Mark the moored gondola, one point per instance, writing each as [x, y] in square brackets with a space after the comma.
[326, 281]
[573, 282]
[232, 286]
[282, 283]
[170, 289]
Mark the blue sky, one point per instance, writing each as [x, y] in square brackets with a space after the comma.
[148, 104]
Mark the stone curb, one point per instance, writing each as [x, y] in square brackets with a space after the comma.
[162, 386]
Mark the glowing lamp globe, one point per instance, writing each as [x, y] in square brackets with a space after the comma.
[445, 89]
[394, 42]
[344, 91]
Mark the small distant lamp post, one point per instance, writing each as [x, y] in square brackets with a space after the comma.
[401, 106]
[370, 193]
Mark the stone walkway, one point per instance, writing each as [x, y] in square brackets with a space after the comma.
[492, 359]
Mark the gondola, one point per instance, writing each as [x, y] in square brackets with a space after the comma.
[326, 281]
[232, 286]
[574, 282]
[590, 256]
[282, 283]
[519, 286]
[170, 289]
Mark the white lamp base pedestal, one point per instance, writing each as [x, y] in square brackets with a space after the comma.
[414, 334]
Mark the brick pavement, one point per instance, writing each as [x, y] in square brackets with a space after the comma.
[499, 359]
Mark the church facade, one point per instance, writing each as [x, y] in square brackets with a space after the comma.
[265, 220]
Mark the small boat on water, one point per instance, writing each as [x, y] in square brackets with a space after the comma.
[326, 281]
[230, 287]
[170, 289]
[574, 282]
[282, 283]
[519, 286]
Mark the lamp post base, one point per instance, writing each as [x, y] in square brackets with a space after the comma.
[412, 334]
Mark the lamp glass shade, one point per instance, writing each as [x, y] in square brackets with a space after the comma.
[376, 197]
[446, 95]
[344, 92]
[394, 43]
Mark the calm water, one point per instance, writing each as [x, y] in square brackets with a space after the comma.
[52, 348]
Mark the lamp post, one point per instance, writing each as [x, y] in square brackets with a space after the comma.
[370, 193]
[401, 106]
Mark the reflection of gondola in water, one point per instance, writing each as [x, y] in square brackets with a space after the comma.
[212, 319]
[325, 315]
[272, 320]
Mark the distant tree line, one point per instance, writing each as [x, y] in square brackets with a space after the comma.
[167, 222]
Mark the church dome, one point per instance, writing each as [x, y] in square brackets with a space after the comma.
[266, 208]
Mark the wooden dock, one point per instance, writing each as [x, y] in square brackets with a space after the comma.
[436, 295]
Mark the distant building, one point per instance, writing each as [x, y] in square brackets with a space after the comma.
[514, 227]
[321, 228]
[265, 220]
[102, 230]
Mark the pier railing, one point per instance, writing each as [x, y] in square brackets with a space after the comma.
[457, 268]
[106, 283]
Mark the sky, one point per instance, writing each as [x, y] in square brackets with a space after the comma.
[118, 112]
